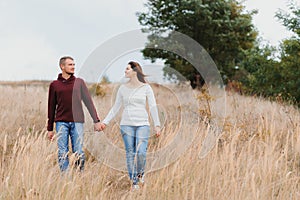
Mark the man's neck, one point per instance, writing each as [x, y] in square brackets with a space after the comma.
[66, 75]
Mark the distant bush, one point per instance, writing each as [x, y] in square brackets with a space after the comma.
[97, 90]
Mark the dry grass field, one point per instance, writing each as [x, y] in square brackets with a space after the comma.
[257, 156]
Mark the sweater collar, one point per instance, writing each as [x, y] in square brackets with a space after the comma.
[62, 79]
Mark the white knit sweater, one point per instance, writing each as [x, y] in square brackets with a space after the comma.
[134, 103]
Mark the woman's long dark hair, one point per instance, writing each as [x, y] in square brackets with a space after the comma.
[138, 69]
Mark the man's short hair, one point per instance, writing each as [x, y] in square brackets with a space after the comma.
[63, 59]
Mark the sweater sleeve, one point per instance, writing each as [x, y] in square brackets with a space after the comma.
[115, 109]
[51, 107]
[152, 106]
[88, 102]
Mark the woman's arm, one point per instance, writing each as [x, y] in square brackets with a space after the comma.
[153, 106]
[115, 109]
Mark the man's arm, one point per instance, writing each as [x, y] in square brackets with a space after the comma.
[88, 102]
[51, 110]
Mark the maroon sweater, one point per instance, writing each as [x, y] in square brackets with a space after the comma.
[64, 102]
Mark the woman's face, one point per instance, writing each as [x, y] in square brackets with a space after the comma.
[129, 73]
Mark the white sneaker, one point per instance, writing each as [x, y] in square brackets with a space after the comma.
[135, 187]
[142, 179]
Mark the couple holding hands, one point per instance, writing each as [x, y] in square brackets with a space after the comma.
[65, 109]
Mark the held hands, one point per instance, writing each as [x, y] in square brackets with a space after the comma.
[99, 126]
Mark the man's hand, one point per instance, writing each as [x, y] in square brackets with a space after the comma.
[157, 131]
[50, 135]
[99, 126]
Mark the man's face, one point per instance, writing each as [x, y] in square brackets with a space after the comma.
[68, 66]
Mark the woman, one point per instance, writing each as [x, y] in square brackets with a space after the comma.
[134, 124]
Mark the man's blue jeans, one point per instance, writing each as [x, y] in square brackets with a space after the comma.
[136, 141]
[73, 130]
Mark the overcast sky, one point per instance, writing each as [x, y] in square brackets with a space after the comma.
[34, 34]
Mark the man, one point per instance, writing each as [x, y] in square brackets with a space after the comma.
[65, 109]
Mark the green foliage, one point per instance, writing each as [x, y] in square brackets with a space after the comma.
[290, 52]
[290, 63]
[226, 32]
[272, 76]
[291, 20]
[223, 28]
[262, 72]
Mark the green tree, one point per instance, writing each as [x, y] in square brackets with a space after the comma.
[290, 53]
[273, 76]
[223, 28]
[261, 72]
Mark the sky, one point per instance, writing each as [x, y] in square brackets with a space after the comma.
[34, 34]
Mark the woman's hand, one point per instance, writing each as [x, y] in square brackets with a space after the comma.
[157, 131]
[103, 126]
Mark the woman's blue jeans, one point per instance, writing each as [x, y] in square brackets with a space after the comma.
[136, 141]
[74, 130]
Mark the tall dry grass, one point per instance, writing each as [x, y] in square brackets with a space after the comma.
[256, 156]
